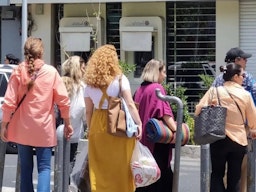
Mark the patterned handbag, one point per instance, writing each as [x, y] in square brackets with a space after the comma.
[210, 124]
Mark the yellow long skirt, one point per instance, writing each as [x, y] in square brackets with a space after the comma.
[109, 158]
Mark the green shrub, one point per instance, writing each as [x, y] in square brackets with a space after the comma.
[127, 68]
[180, 93]
[207, 82]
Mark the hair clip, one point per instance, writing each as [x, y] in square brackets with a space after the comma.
[224, 69]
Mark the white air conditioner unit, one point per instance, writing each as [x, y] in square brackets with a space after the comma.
[76, 32]
[75, 38]
[136, 38]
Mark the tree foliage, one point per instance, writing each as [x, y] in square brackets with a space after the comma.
[127, 68]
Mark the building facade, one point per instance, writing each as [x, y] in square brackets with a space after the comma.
[192, 37]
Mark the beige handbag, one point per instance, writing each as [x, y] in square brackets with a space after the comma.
[116, 115]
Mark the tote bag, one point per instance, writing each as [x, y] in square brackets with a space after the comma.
[116, 115]
[210, 124]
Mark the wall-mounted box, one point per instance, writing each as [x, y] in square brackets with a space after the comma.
[143, 34]
[76, 33]
[136, 38]
[75, 38]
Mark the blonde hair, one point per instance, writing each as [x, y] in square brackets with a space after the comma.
[72, 73]
[33, 49]
[152, 70]
[102, 67]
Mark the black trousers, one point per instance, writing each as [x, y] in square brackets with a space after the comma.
[222, 152]
[73, 151]
[164, 184]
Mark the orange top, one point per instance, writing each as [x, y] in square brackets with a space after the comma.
[33, 123]
[235, 128]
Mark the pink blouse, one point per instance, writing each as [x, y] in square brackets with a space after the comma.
[33, 123]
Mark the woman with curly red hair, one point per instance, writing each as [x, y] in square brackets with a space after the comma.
[109, 156]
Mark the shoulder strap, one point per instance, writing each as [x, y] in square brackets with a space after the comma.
[218, 96]
[212, 93]
[104, 95]
[120, 85]
[23, 97]
[235, 103]
[104, 91]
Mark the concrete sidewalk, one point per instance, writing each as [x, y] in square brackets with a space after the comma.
[191, 151]
[8, 189]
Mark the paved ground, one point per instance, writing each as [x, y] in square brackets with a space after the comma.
[189, 168]
[8, 189]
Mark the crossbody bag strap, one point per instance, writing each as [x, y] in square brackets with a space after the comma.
[23, 97]
[218, 97]
[236, 104]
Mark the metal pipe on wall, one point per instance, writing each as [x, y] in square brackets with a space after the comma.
[2, 162]
[205, 168]
[62, 162]
[23, 39]
[58, 163]
[251, 165]
[24, 26]
[176, 100]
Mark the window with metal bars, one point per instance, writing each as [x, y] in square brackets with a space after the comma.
[114, 14]
[190, 46]
[58, 16]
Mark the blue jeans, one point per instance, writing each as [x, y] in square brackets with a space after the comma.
[43, 155]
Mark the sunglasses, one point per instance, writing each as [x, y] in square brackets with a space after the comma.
[243, 75]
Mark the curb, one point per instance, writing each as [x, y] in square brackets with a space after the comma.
[191, 151]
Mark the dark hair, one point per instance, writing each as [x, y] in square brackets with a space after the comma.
[230, 70]
[234, 53]
[12, 59]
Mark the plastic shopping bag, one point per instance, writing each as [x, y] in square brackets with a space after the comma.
[144, 167]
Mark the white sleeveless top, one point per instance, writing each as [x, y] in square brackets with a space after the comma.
[113, 89]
